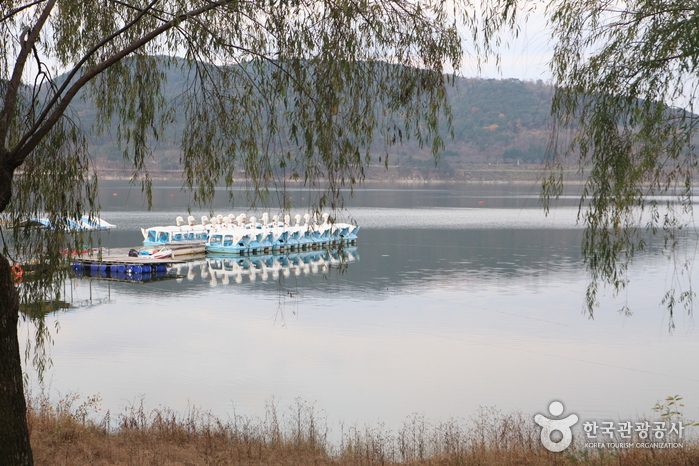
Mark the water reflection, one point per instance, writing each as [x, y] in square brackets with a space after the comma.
[226, 269]
[452, 306]
[123, 275]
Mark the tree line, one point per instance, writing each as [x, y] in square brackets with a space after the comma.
[494, 121]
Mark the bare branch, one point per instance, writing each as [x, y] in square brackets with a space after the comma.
[71, 75]
[20, 9]
[16, 80]
[35, 135]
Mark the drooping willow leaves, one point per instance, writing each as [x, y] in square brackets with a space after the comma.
[274, 92]
[625, 75]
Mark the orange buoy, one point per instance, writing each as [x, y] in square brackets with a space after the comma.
[18, 273]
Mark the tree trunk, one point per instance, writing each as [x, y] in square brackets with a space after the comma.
[7, 171]
[14, 433]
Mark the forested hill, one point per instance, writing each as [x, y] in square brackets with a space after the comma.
[499, 120]
[495, 122]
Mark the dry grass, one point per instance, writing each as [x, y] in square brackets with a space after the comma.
[73, 432]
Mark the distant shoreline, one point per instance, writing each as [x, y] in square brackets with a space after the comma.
[495, 173]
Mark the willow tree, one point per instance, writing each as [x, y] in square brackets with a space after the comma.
[625, 76]
[280, 90]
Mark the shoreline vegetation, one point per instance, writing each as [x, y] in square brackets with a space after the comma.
[476, 173]
[74, 432]
[495, 173]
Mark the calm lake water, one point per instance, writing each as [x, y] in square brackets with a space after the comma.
[456, 297]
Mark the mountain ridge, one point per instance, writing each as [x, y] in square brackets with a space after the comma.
[495, 121]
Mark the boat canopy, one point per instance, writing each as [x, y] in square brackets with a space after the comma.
[83, 223]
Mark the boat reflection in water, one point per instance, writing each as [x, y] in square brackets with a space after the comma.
[224, 269]
[129, 273]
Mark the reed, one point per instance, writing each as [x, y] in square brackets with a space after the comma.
[72, 431]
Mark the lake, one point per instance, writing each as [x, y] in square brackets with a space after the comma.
[457, 296]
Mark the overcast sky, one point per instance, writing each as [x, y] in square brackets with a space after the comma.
[525, 57]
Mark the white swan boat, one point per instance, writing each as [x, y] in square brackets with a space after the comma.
[238, 235]
[184, 238]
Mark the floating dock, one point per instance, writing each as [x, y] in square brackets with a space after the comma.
[132, 277]
[118, 260]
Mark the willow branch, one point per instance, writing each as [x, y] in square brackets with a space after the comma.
[20, 9]
[22, 150]
[57, 95]
[16, 81]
